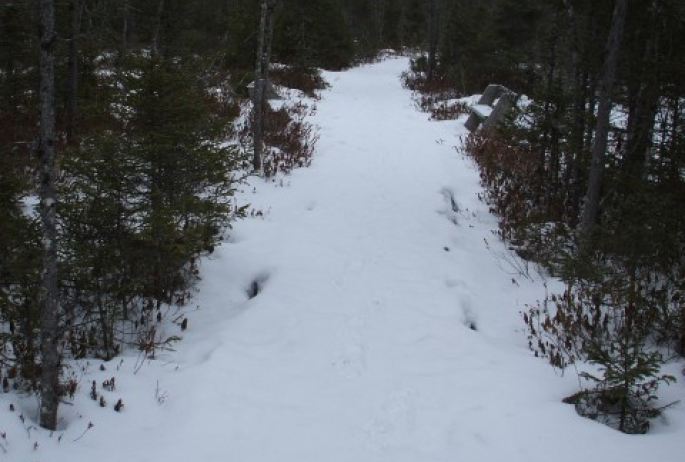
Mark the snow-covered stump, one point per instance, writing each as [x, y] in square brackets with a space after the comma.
[479, 114]
[504, 105]
[492, 106]
[491, 93]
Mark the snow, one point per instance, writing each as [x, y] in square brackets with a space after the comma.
[30, 205]
[374, 267]
[483, 109]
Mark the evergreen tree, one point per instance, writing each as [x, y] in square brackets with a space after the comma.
[143, 202]
[415, 23]
[313, 34]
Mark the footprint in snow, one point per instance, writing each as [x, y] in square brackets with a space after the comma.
[451, 208]
[351, 363]
[465, 302]
[395, 420]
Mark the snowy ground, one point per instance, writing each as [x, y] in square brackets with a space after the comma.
[386, 327]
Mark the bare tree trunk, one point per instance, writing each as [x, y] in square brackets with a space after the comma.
[379, 20]
[125, 26]
[643, 102]
[72, 78]
[640, 127]
[269, 39]
[432, 39]
[599, 147]
[158, 27]
[258, 94]
[49, 304]
[548, 154]
[577, 75]
[260, 81]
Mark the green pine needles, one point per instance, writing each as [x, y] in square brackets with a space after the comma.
[611, 328]
[146, 196]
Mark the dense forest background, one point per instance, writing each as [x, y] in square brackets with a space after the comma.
[145, 93]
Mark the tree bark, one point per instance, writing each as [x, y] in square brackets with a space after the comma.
[643, 101]
[260, 80]
[379, 8]
[640, 128]
[125, 26]
[72, 77]
[49, 304]
[158, 27]
[432, 40]
[599, 147]
[269, 40]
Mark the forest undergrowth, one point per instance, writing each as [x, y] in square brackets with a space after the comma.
[621, 317]
[146, 191]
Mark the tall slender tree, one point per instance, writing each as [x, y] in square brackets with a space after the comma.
[49, 303]
[432, 38]
[72, 71]
[266, 28]
[599, 147]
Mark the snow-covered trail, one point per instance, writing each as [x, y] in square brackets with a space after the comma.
[360, 347]
[384, 328]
